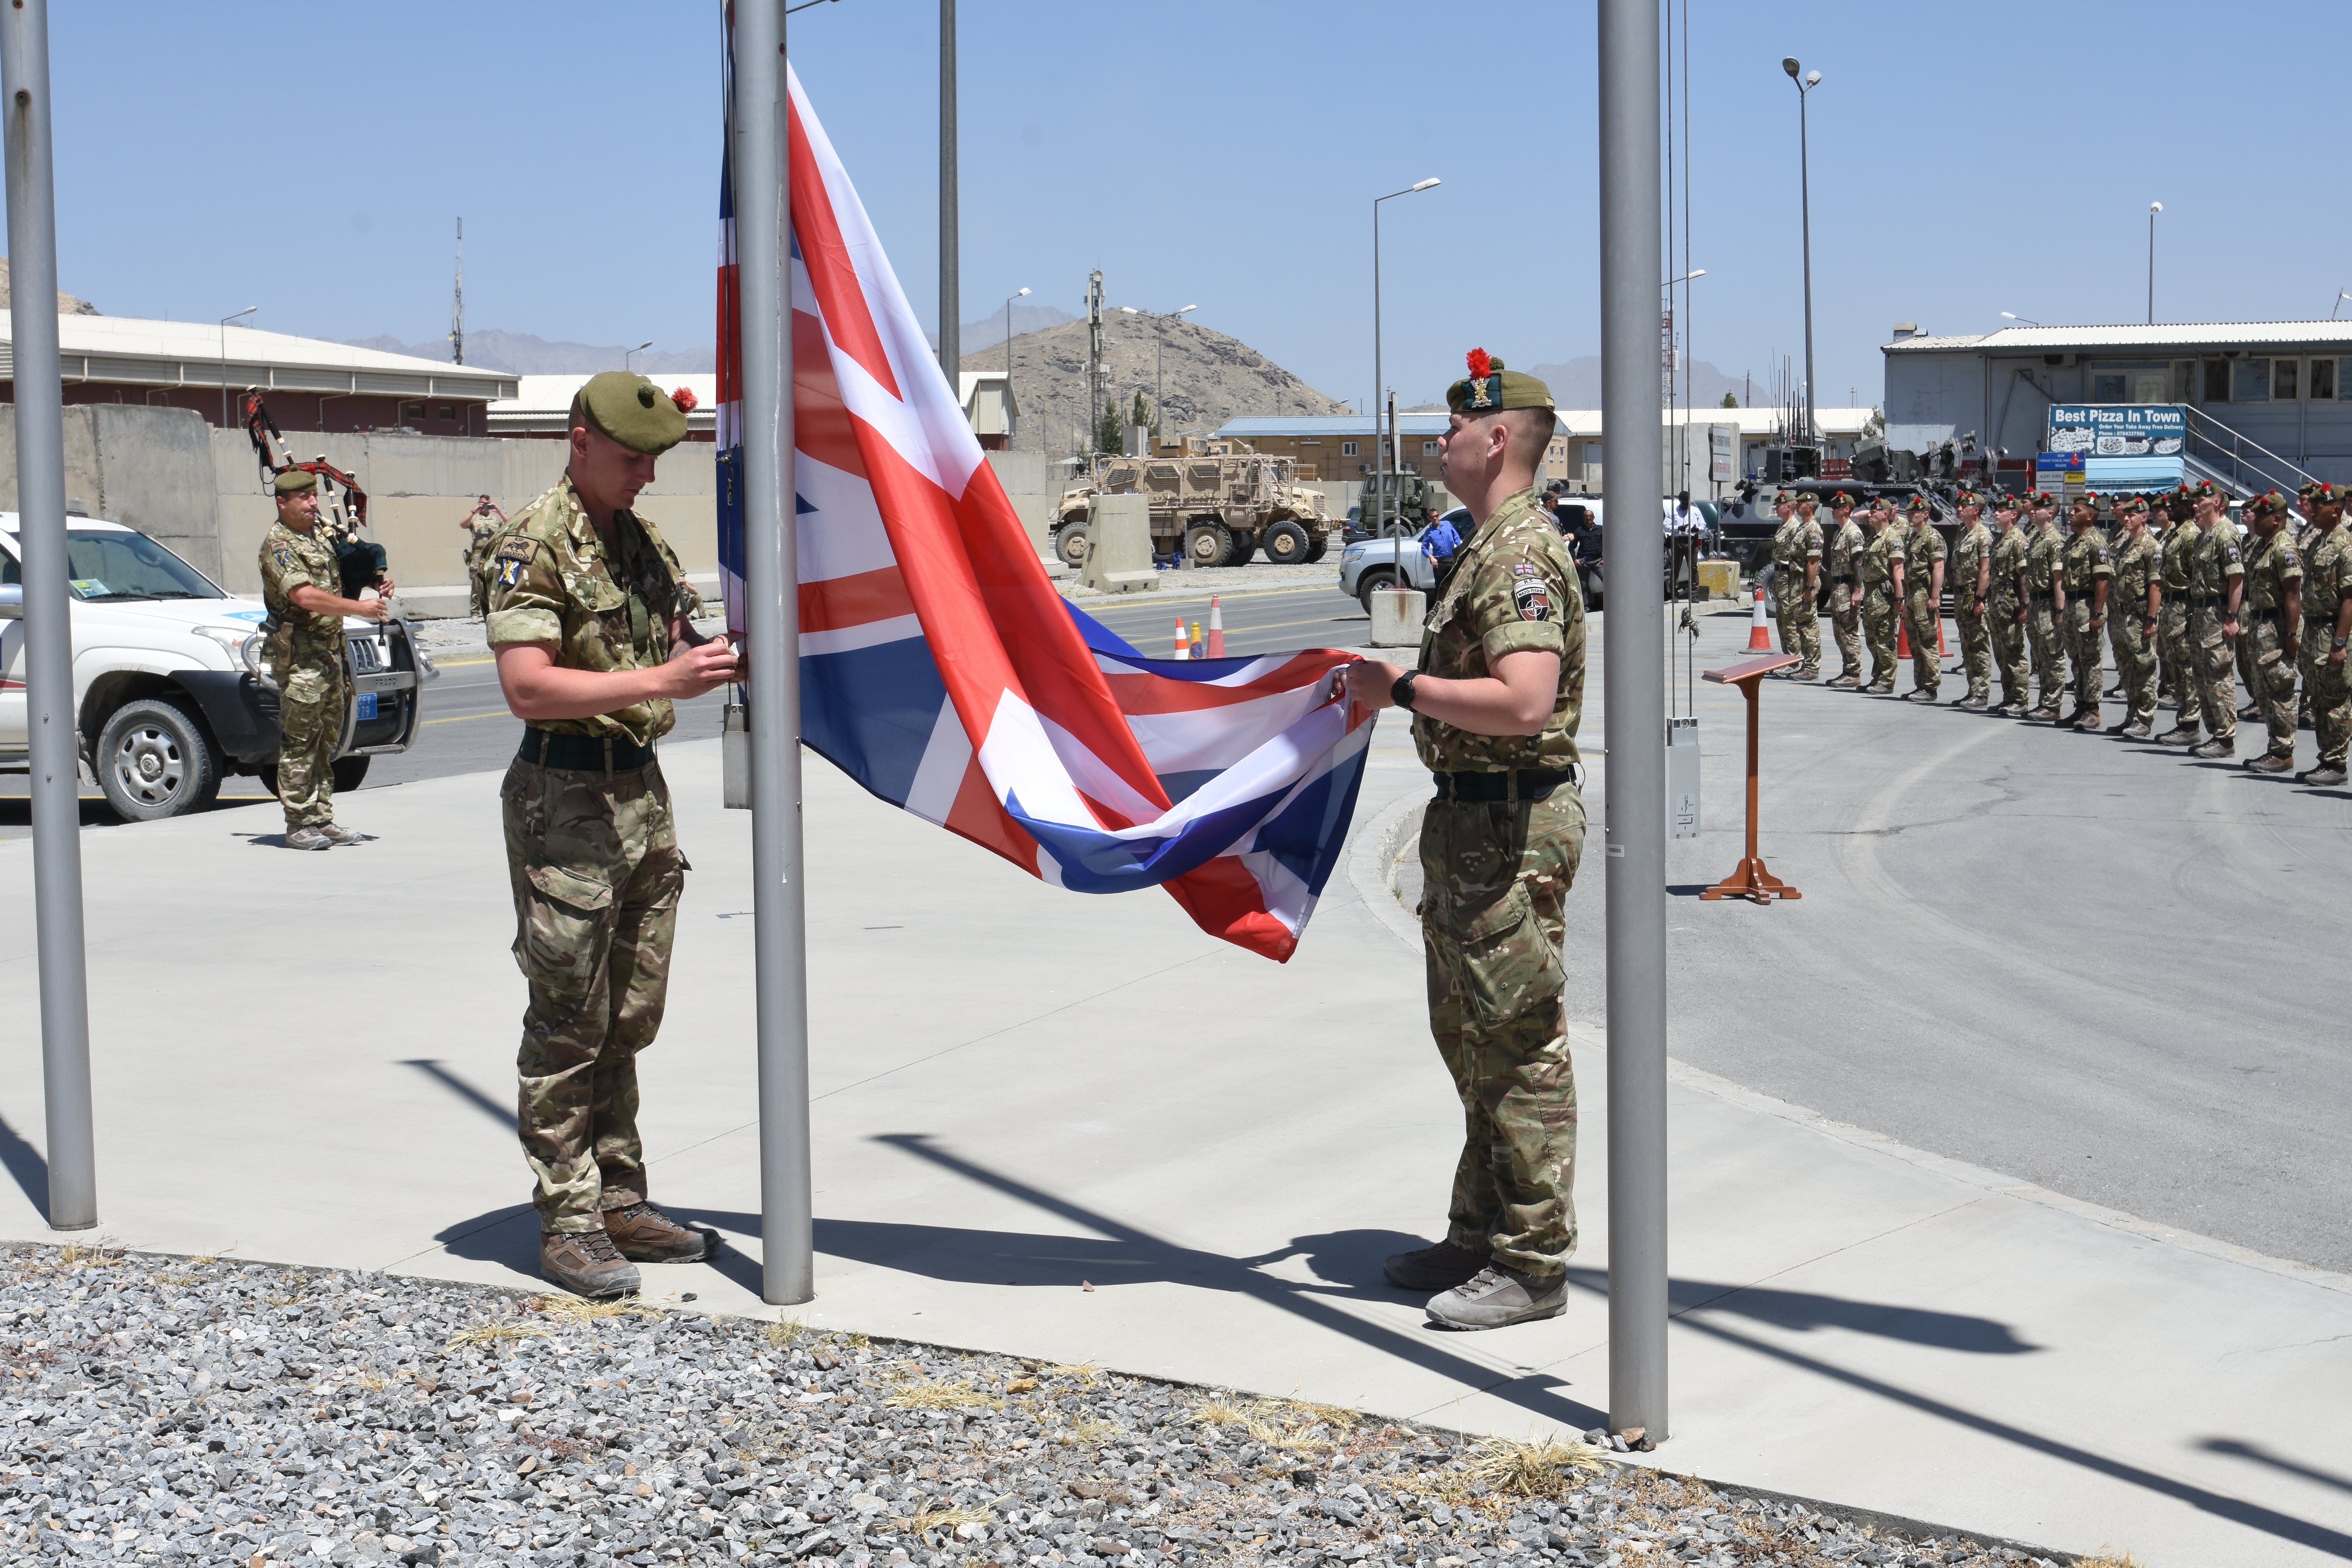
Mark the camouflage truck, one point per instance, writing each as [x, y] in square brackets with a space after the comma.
[1220, 505]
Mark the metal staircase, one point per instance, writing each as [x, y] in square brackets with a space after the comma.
[2236, 464]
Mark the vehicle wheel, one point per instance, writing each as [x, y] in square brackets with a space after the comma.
[268, 774]
[1070, 545]
[1286, 544]
[155, 761]
[1316, 551]
[1373, 582]
[350, 773]
[1208, 544]
[1244, 546]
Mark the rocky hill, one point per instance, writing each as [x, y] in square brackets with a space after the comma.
[66, 304]
[520, 353]
[1207, 378]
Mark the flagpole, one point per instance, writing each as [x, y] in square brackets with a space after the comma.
[772, 636]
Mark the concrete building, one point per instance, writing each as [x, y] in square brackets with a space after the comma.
[308, 383]
[541, 404]
[990, 405]
[2265, 401]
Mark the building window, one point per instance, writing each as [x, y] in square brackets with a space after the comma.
[2151, 386]
[1591, 454]
[2217, 381]
[1347, 449]
[1310, 440]
[1429, 448]
[2250, 381]
[2283, 379]
[2107, 388]
[2322, 380]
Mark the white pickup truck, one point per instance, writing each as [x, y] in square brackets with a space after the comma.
[170, 692]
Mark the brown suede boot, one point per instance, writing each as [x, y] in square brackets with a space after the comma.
[585, 1263]
[645, 1233]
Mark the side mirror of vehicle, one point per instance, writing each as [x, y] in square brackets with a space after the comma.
[12, 601]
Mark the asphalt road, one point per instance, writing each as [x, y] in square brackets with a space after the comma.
[1275, 622]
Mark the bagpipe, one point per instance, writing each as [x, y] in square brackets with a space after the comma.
[342, 505]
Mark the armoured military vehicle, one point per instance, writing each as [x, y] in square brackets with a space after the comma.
[1219, 504]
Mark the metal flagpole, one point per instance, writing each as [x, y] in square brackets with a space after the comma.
[772, 637]
[951, 264]
[1634, 706]
[48, 634]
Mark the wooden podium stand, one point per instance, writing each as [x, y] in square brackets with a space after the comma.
[1751, 881]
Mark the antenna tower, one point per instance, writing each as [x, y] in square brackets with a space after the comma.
[1094, 372]
[457, 303]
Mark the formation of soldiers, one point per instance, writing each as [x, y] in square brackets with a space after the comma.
[2187, 608]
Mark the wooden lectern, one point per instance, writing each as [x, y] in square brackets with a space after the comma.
[1751, 881]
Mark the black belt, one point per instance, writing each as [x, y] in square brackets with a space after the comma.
[1527, 784]
[2038, 598]
[2204, 601]
[602, 754]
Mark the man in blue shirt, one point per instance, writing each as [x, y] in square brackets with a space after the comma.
[1442, 538]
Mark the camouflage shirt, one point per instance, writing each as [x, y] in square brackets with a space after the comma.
[2044, 555]
[2275, 566]
[291, 560]
[1798, 542]
[2327, 574]
[2180, 547]
[1844, 558]
[2135, 567]
[1922, 547]
[553, 581]
[2214, 561]
[1969, 552]
[2008, 553]
[1879, 560]
[2086, 560]
[1512, 590]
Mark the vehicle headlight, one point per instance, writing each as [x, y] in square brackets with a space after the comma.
[232, 641]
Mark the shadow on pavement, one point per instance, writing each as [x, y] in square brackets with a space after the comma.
[504, 1115]
[26, 1165]
[2261, 1456]
[1803, 1311]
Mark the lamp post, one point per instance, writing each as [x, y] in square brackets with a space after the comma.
[1157, 349]
[2340, 296]
[1380, 459]
[1008, 366]
[2153, 208]
[2015, 317]
[223, 358]
[635, 353]
[1806, 81]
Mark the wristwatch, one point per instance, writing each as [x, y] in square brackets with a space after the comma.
[1401, 693]
[2338, 643]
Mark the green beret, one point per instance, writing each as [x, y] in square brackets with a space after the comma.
[1918, 504]
[1490, 389]
[2324, 494]
[2264, 504]
[2131, 503]
[632, 411]
[294, 481]
[1840, 500]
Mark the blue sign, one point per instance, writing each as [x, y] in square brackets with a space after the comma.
[2119, 430]
[367, 705]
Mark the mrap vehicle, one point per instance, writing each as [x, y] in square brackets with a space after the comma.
[171, 692]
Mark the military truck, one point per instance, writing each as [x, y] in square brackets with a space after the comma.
[1220, 503]
[1412, 503]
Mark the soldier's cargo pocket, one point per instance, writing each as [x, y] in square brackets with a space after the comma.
[566, 927]
[1503, 964]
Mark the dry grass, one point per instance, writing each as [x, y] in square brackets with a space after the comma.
[1289, 1424]
[784, 1331]
[1086, 1373]
[1540, 1466]
[580, 1309]
[98, 1255]
[2109, 1557]
[369, 1382]
[491, 1334]
[1088, 1433]
[858, 1342]
[930, 1395]
[943, 1519]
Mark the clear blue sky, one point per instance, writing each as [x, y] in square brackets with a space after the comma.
[1967, 160]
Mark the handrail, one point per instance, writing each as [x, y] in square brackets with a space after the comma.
[2237, 441]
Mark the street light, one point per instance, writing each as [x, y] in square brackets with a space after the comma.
[1380, 459]
[635, 353]
[2340, 298]
[1008, 369]
[1157, 347]
[1694, 272]
[2015, 317]
[223, 358]
[2153, 208]
[1805, 83]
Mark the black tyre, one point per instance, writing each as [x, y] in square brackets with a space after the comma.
[350, 773]
[1286, 544]
[1244, 546]
[1070, 545]
[1374, 579]
[1317, 551]
[1208, 544]
[155, 761]
[268, 774]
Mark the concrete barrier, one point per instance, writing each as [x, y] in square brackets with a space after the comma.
[1118, 546]
[1719, 579]
[1397, 615]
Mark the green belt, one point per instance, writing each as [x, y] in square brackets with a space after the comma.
[1528, 783]
[604, 754]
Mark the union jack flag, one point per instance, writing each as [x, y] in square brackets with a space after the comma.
[941, 669]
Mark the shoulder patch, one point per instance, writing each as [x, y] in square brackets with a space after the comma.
[518, 547]
[1526, 569]
[285, 559]
[2290, 558]
[1532, 598]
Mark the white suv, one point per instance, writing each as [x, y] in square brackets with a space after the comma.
[170, 693]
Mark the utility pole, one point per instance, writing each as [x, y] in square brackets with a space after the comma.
[55, 784]
[458, 303]
[950, 266]
[1805, 85]
[1094, 359]
[772, 640]
[1634, 702]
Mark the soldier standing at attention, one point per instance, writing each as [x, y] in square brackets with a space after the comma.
[590, 625]
[1882, 583]
[2306, 533]
[2135, 600]
[482, 526]
[2045, 591]
[2326, 629]
[1923, 601]
[1784, 562]
[2275, 600]
[1495, 698]
[1843, 558]
[2217, 580]
[1801, 619]
[2008, 604]
[1972, 581]
[303, 588]
[2175, 553]
[2088, 575]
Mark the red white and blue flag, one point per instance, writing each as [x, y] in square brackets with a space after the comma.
[940, 668]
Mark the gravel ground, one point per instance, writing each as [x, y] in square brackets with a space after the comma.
[1324, 573]
[170, 1411]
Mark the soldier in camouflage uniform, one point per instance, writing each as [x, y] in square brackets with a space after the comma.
[1971, 580]
[1843, 562]
[2088, 575]
[2175, 554]
[1882, 561]
[2134, 611]
[2274, 627]
[303, 588]
[2217, 582]
[2008, 604]
[1496, 698]
[1796, 568]
[1923, 600]
[2045, 590]
[2327, 629]
[483, 525]
[590, 624]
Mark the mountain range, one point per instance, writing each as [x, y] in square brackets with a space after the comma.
[520, 353]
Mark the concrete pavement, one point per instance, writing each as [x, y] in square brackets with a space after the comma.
[1020, 1093]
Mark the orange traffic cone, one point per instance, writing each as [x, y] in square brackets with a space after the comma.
[1903, 636]
[1759, 636]
[1183, 643]
[1216, 628]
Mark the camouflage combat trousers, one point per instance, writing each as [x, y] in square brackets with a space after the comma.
[2217, 676]
[1495, 877]
[2041, 632]
[2247, 650]
[477, 577]
[2329, 691]
[2181, 657]
[596, 874]
[1878, 631]
[2274, 683]
[1845, 616]
[313, 695]
[1976, 649]
[2135, 660]
[2008, 652]
[1800, 631]
[2088, 658]
[1922, 619]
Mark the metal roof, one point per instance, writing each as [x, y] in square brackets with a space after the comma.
[1583, 422]
[538, 403]
[190, 353]
[2135, 335]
